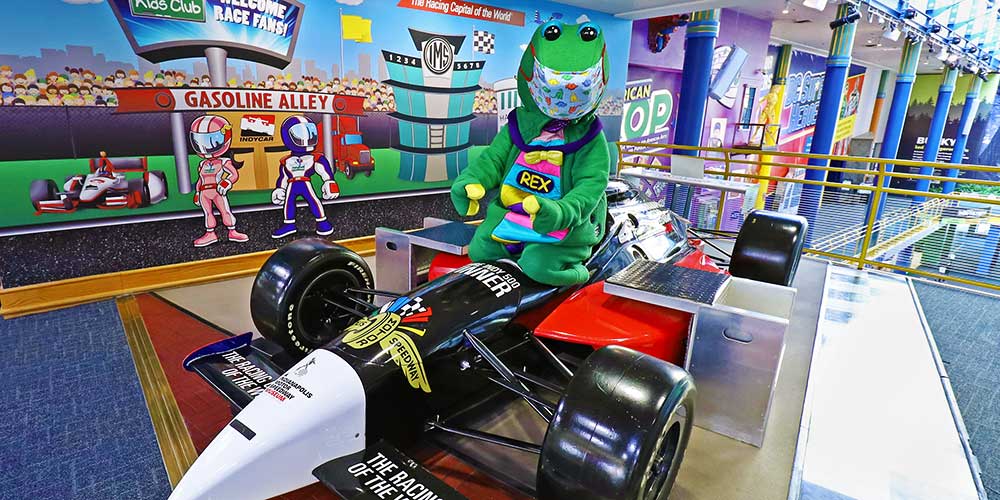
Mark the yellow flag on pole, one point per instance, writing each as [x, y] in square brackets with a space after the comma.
[356, 28]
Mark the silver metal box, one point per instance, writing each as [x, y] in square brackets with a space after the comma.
[734, 355]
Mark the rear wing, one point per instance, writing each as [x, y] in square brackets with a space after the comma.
[239, 368]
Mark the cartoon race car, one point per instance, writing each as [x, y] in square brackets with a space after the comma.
[106, 186]
[337, 385]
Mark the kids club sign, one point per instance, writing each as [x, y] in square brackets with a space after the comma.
[263, 31]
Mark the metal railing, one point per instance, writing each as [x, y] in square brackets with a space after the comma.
[943, 236]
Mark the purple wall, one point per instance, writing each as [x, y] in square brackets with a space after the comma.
[749, 33]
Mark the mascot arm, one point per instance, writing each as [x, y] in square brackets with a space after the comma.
[591, 166]
[487, 171]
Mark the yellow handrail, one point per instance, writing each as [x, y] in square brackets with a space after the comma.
[895, 224]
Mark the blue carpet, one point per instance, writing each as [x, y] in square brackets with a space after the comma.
[73, 421]
[966, 327]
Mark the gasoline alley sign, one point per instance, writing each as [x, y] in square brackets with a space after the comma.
[225, 99]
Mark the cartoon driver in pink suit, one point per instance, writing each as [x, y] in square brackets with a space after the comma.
[211, 136]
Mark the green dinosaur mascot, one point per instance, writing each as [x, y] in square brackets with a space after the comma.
[550, 162]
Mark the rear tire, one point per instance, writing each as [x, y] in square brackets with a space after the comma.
[293, 298]
[619, 431]
[138, 193]
[42, 190]
[769, 247]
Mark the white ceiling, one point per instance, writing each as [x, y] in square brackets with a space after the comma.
[803, 27]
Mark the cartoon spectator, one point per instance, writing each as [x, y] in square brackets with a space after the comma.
[300, 136]
[211, 137]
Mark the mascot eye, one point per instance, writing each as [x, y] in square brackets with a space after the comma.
[588, 33]
[552, 32]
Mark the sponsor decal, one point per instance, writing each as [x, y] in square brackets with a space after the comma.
[285, 388]
[535, 182]
[256, 128]
[391, 329]
[500, 282]
[381, 472]
[244, 374]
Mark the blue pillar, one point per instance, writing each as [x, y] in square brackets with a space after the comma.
[964, 124]
[699, 47]
[837, 64]
[936, 131]
[897, 113]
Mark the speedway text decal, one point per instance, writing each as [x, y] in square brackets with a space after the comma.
[385, 330]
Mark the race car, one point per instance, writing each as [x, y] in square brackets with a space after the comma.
[106, 186]
[337, 385]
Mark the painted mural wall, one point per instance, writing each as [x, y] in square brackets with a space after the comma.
[983, 147]
[99, 99]
[650, 109]
[802, 95]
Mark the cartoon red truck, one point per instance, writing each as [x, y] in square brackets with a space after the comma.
[350, 155]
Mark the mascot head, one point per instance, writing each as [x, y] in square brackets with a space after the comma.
[564, 70]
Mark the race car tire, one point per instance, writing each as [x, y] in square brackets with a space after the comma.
[769, 247]
[42, 190]
[619, 431]
[138, 193]
[164, 191]
[293, 299]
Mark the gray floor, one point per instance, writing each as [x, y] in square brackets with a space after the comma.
[719, 468]
[966, 327]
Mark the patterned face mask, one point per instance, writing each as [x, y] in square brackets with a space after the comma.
[565, 95]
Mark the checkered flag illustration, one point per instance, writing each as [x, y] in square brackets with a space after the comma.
[483, 41]
[412, 307]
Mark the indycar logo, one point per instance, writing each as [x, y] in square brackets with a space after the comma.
[391, 330]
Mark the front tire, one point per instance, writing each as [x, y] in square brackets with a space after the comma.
[295, 297]
[42, 190]
[619, 431]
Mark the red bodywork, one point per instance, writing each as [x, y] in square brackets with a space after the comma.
[589, 316]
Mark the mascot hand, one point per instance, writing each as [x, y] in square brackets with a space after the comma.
[197, 200]
[465, 196]
[278, 196]
[546, 215]
[330, 190]
[224, 187]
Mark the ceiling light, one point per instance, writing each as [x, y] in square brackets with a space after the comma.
[788, 7]
[815, 4]
[943, 54]
[953, 58]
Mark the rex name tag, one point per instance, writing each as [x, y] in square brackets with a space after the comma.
[534, 181]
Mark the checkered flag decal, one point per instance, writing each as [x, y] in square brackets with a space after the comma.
[412, 307]
[483, 41]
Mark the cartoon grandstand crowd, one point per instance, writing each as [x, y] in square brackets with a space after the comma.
[84, 87]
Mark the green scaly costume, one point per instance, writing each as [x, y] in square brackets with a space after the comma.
[551, 207]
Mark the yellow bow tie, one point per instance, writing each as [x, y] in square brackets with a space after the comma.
[553, 157]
